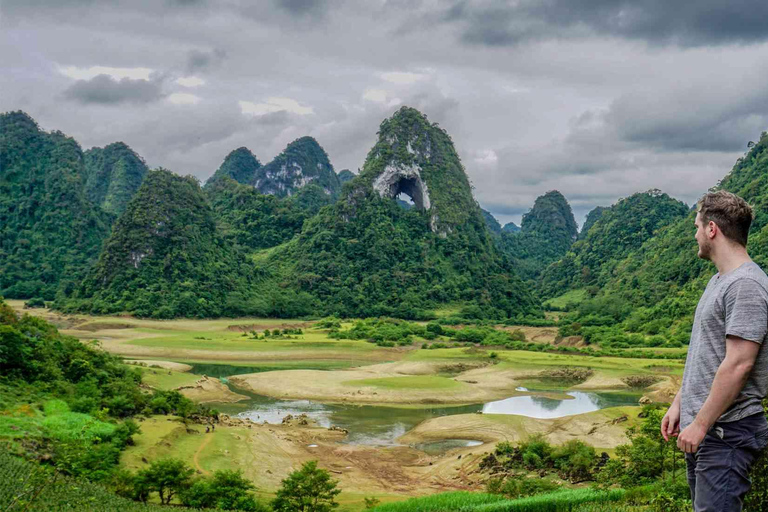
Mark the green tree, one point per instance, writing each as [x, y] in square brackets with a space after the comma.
[309, 489]
[226, 490]
[167, 477]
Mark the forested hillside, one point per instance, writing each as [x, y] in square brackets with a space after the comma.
[366, 256]
[253, 220]
[113, 174]
[546, 233]
[165, 257]
[659, 284]
[620, 230]
[49, 231]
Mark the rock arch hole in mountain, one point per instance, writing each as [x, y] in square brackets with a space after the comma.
[397, 181]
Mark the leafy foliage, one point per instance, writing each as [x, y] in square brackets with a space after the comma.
[251, 219]
[49, 231]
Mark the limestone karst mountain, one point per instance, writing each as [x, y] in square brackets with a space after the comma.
[645, 258]
[240, 165]
[491, 222]
[49, 230]
[592, 217]
[346, 175]
[415, 157]
[113, 174]
[366, 256]
[301, 163]
[511, 227]
[546, 233]
[164, 257]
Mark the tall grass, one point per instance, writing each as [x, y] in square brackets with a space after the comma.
[442, 502]
[567, 500]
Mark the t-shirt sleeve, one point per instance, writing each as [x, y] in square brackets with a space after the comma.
[746, 310]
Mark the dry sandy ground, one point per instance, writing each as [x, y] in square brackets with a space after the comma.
[208, 389]
[473, 383]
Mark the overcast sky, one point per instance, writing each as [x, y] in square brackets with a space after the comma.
[595, 98]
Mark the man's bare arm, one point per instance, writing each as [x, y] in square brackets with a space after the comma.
[740, 355]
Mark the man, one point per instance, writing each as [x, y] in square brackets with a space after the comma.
[717, 415]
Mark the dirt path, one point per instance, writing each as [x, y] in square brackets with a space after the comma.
[196, 458]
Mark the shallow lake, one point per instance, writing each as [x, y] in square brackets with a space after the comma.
[381, 426]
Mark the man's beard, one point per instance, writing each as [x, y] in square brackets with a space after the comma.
[705, 250]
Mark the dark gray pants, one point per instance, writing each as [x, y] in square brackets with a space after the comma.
[718, 473]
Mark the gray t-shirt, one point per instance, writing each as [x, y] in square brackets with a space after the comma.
[736, 304]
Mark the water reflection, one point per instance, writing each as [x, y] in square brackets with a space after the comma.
[381, 426]
[542, 407]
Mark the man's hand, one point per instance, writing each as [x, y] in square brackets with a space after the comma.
[691, 437]
[670, 425]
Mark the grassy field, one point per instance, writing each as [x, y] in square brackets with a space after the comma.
[569, 298]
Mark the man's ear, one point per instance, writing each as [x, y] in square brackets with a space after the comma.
[713, 229]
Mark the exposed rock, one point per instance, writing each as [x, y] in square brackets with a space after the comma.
[208, 389]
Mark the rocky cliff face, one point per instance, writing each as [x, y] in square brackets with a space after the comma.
[301, 163]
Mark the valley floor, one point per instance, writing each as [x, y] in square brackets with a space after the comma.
[311, 366]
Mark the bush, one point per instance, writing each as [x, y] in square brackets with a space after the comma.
[226, 490]
[36, 302]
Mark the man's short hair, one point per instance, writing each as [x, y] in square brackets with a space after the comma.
[731, 213]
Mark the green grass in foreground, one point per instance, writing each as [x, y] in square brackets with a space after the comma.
[410, 382]
[26, 486]
[559, 501]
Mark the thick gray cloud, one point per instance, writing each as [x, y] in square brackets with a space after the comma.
[596, 99]
[684, 22]
[199, 61]
[103, 89]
